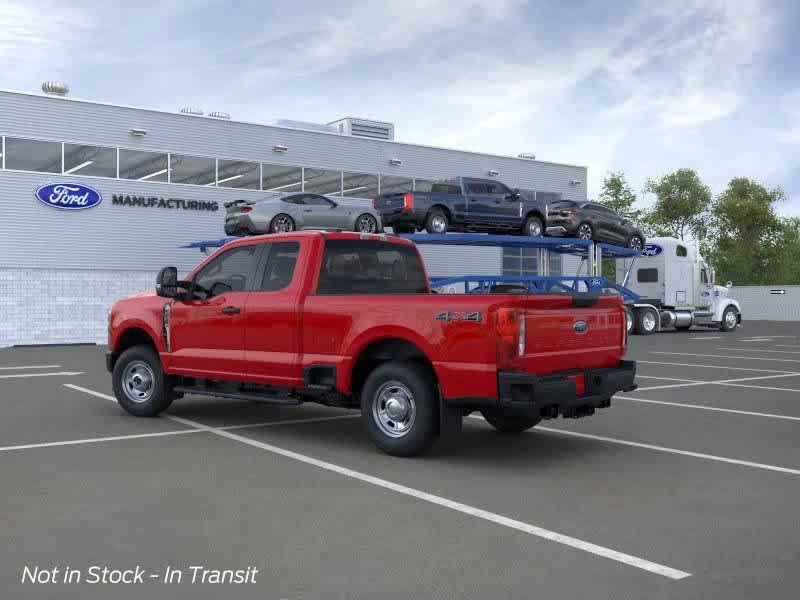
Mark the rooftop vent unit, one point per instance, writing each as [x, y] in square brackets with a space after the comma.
[376, 130]
[304, 125]
[55, 88]
[527, 155]
[192, 110]
[216, 114]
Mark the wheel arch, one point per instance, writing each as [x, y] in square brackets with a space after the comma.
[135, 334]
[443, 208]
[375, 351]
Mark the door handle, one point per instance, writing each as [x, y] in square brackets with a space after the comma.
[307, 210]
[230, 310]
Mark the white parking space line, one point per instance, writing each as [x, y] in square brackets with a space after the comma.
[22, 375]
[727, 367]
[473, 511]
[713, 337]
[748, 413]
[30, 367]
[760, 387]
[638, 376]
[794, 360]
[786, 345]
[761, 350]
[97, 440]
[718, 382]
[711, 457]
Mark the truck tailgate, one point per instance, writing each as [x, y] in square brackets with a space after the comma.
[561, 337]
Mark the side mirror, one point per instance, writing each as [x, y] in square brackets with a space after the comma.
[729, 285]
[167, 282]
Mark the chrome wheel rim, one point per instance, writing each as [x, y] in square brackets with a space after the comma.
[730, 319]
[649, 321]
[628, 320]
[393, 409]
[439, 224]
[636, 243]
[367, 224]
[138, 381]
[585, 232]
[534, 228]
[282, 224]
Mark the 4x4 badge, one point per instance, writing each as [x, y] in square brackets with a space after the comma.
[448, 316]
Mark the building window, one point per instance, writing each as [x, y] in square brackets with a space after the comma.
[396, 185]
[144, 166]
[33, 155]
[280, 178]
[238, 174]
[524, 261]
[195, 170]
[323, 181]
[360, 185]
[90, 160]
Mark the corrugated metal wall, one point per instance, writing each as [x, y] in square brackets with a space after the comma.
[768, 303]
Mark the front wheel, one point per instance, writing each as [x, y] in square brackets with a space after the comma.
[585, 231]
[509, 422]
[730, 319]
[436, 222]
[366, 223]
[399, 408]
[533, 227]
[139, 382]
[646, 321]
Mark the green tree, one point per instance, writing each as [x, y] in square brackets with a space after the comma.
[681, 206]
[618, 195]
[749, 243]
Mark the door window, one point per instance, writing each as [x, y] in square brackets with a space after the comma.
[703, 276]
[313, 200]
[229, 272]
[476, 188]
[680, 251]
[279, 269]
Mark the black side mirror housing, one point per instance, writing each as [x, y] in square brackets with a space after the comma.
[167, 282]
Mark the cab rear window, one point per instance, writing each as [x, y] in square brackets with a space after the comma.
[370, 267]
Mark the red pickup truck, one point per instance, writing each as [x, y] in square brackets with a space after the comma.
[349, 320]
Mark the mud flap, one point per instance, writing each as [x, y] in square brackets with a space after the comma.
[451, 417]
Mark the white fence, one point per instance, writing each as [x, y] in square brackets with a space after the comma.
[768, 302]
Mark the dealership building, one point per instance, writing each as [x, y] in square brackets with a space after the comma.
[161, 179]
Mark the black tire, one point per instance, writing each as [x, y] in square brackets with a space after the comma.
[144, 362]
[636, 242]
[361, 221]
[401, 229]
[727, 325]
[437, 221]
[584, 231]
[276, 227]
[630, 321]
[509, 422]
[385, 383]
[644, 326]
[533, 223]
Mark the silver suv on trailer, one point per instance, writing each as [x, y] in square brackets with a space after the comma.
[279, 213]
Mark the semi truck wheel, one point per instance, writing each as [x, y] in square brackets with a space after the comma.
[646, 321]
[730, 319]
[629, 320]
[509, 423]
[139, 382]
[399, 408]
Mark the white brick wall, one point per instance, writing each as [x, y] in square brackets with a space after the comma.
[48, 306]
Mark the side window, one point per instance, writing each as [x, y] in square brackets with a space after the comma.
[473, 187]
[680, 251]
[279, 269]
[295, 199]
[229, 272]
[647, 275]
[703, 276]
[316, 200]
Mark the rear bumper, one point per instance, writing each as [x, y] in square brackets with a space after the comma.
[551, 395]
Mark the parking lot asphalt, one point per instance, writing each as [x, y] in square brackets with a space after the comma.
[687, 487]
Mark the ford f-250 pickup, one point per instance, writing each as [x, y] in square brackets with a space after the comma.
[464, 204]
[349, 319]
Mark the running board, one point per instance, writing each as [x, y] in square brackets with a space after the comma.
[268, 397]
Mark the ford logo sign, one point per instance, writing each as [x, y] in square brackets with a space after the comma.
[68, 196]
[580, 327]
[652, 250]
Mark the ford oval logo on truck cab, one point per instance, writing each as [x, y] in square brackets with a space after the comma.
[580, 327]
[68, 196]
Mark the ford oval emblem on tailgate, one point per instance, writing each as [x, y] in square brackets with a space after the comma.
[580, 327]
[69, 196]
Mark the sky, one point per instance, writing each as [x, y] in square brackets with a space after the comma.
[639, 87]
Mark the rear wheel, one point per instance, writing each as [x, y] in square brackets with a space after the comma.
[509, 422]
[366, 223]
[629, 320]
[281, 224]
[436, 222]
[585, 231]
[399, 408]
[646, 321]
[533, 227]
[139, 383]
[730, 319]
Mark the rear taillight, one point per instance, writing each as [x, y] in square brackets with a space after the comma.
[568, 213]
[408, 202]
[374, 203]
[246, 209]
[508, 328]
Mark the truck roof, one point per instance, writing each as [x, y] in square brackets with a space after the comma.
[328, 235]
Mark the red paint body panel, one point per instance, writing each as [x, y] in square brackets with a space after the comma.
[278, 334]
